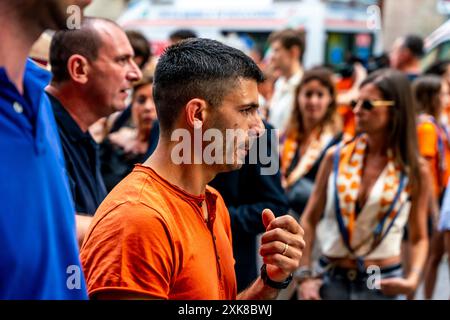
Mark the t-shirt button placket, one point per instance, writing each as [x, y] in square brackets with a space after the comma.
[18, 108]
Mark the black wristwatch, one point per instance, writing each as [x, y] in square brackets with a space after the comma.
[276, 285]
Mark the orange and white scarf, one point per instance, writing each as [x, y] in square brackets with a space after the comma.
[321, 139]
[348, 168]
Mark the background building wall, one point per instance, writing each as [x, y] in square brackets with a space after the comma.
[110, 9]
[401, 17]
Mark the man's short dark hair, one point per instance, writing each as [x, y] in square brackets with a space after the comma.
[414, 43]
[140, 45]
[438, 68]
[182, 34]
[289, 38]
[85, 41]
[198, 68]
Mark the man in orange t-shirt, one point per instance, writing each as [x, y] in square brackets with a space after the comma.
[150, 237]
[162, 233]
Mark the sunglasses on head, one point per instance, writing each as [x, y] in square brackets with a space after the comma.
[370, 104]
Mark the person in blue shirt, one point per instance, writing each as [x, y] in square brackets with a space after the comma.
[39, 254]
[89, 82]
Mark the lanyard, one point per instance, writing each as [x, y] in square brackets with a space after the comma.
[378, 232]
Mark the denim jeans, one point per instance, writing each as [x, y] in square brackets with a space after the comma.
[348, 284]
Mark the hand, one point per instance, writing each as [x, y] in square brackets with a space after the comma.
[396, 286]
[123, 137]
[309, 289]
[281, 245]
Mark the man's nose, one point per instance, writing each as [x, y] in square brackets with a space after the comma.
[257, 126]
[134, 74]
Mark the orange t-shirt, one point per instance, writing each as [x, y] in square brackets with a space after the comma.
[428, 148]
[348, 118]
[345, 111]
[150, 237]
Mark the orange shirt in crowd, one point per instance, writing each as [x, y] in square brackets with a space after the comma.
[150, 237]
[348, 119]
[428, 147]
[346, 111]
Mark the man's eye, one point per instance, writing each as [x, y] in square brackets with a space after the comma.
[141, 100]
[123, 60]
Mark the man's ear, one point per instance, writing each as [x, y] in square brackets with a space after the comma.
[406, 54]
[195, 112]
[78, 68]
[295, 52]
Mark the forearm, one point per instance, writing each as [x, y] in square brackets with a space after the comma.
[417, 224]
[309, 238]
[258, 291]
[314, 208]
[418, 255]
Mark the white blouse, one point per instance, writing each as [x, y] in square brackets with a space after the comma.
[329, 236]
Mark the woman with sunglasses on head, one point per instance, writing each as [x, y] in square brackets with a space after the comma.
[314, 126]
[367, 191]
[432, 95]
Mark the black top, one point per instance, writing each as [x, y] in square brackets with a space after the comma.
[298, 194]
[116, 164]
[81, 153]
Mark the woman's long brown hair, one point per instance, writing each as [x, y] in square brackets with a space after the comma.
[426, 92]
[402, 137]
[325, 77]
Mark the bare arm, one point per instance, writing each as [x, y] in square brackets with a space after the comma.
[315, 206]
[309, 289]
[417, 224]
[418, 238]
[258, 291]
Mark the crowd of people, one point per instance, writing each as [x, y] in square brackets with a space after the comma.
[94, 190]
